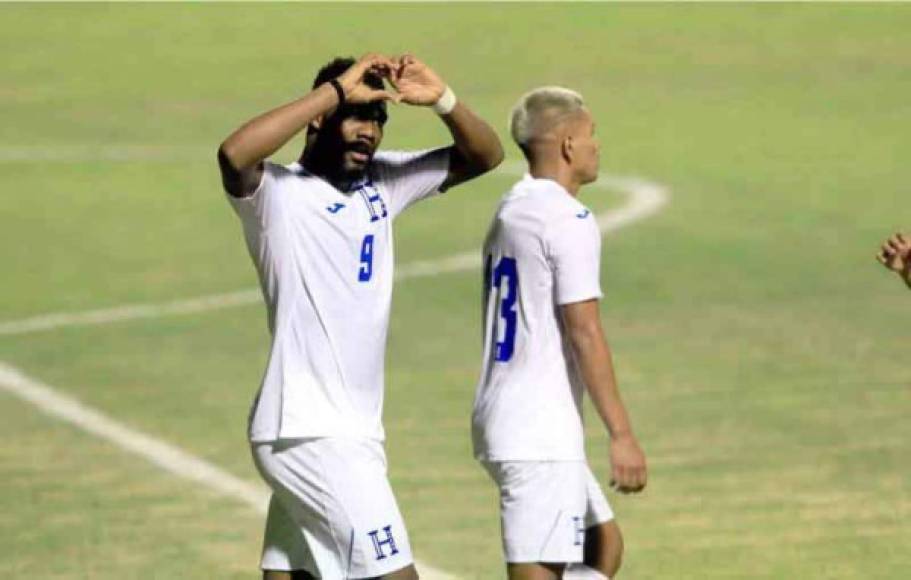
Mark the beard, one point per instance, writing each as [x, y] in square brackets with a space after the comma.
[340, 160]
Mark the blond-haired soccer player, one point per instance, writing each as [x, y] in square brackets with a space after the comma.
[543, 346]
[895, 254]
[319, 232]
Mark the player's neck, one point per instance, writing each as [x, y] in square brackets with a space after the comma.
[555, 171]
[318, 167]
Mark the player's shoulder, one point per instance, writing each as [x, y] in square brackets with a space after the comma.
[293, 173]
[547, 198]
[399, 158]
[385, 158]
[390, 164]
[278, 172]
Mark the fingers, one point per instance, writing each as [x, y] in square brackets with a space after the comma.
[899, 244]
[402, 62]
[374, 60]
[375, 63]
[384, 96]
[895, 252]
[629, 479]
[406, 59]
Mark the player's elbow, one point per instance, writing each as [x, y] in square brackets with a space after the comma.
[486, 158]
[227, 156]
[585, 336]
[492, 158]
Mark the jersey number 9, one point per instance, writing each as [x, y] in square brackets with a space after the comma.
[366, 269]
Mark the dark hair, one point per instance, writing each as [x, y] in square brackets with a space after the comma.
[334, 69]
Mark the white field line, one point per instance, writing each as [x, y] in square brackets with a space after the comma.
[644, 198]
[164, 455]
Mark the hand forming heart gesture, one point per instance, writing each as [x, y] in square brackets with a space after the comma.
[416, 83]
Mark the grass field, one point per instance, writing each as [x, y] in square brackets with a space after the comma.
[762, 351]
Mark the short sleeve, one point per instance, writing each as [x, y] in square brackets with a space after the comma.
[410, 176]
[255, 210]
[574, 252]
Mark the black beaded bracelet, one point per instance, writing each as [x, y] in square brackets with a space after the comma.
[338, 89]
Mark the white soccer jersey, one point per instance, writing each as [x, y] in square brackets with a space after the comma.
[543, 250]
[325, 264]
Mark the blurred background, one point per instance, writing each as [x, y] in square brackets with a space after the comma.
[762, 351]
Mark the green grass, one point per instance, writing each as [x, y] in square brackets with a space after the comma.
[761, 350]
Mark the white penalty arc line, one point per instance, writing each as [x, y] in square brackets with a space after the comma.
[645, 198]
[167, 457]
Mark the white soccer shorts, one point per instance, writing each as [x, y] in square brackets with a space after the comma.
[545, 508]
[332, 511]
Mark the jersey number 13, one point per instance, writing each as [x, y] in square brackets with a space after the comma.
[504, 331]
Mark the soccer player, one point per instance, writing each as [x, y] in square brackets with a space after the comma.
[319, 232]
[895, 254]
[544, 345]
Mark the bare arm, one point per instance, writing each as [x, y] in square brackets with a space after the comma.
[476, 147]
[582, 322]
[241, 155]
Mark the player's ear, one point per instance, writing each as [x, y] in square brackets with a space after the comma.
[566, 149]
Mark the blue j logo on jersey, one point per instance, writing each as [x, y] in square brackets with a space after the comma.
[583, 215]
[381, 544]
[335, 208]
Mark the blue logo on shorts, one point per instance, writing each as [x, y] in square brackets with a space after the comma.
[334, 208]
[583, 215]
[579, 525]
[379, 545]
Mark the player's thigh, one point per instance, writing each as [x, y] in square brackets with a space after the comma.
[378, 541]
[282, 575]
[338, 492]
[296, 529]
[407, 573]
[603, 540]
[536, 571]
[604, 548]
[542, 509]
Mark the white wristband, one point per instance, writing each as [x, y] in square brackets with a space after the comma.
[446, 103]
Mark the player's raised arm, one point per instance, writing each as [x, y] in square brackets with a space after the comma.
[476, 147]
[895, 254]
[241, 155]
[582, 321]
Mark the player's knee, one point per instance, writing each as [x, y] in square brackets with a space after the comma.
[282, 575]
[604, 548]
[407, 573]
[614, 551]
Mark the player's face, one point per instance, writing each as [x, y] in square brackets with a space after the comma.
[360, 135]
[587, 148]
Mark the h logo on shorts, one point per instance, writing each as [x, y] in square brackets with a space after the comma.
[579, 524]
[379, 545]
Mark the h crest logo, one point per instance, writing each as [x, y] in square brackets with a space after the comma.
[380, 544]
[374, 201]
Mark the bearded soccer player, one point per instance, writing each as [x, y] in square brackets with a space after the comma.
[543, 346]
[319, 232]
